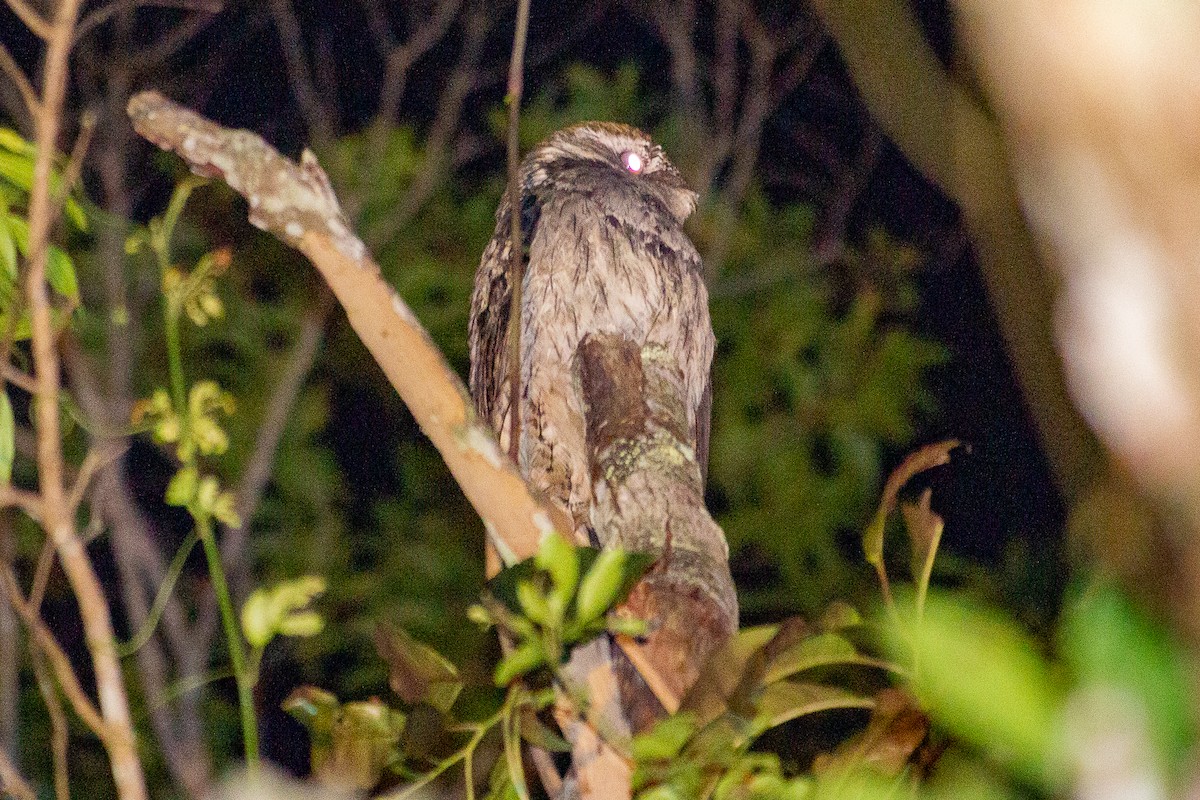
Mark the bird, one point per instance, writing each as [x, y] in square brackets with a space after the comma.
[604, 252]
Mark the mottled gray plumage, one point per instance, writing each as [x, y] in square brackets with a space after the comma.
[605, 254]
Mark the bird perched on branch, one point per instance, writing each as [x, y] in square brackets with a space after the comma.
[603, 253]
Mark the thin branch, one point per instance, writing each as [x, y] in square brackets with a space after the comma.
[270, 432]
[29, 16]
[19, 378]
[10, 635]
[291, 40]
[119, 738]
[104, 14]
[96, 459]
[59, 728]
[450, 107]
[378, 26]
[400, 58]
[27, 501]
[59, 662]
[17, 75]
[11, 781]
[151, 57]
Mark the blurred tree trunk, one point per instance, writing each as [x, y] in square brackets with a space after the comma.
[943, 130]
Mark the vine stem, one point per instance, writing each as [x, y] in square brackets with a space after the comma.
[467, 751]
[243, 676]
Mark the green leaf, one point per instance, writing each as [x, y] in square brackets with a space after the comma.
[982, 678]
[313, 708]
[665, 740]
[259, 618]
[533, 603]
[837, 616]
[925, 532]
[722, 674]
[525, 658]
[872, 540]
[822, 650]
[17, 169]
[560, 558]
[282, 609]
[539, 735]
[183, 486]
[7, 437]
[60, 273]
[8, 248]
[1109, 642]
[787, 700]
[16, 166]
[600, 586]
[60, 270]
[417, 672]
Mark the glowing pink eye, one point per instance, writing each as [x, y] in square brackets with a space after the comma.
[632, 161]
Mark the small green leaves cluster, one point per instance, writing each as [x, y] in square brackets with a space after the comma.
[558, 599]
[188, 418]
[362, 744]
[16, 180]
[197, 431]
[1050, 722]
[283, 610]
[354, 743]
[764, 677]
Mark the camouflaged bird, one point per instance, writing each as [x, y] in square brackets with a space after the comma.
[602, 212]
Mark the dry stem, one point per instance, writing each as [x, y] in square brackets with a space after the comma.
[57, 519]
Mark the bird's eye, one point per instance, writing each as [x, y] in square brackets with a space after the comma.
[632, 161]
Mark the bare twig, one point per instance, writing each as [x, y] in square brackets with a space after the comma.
[11, 781]
[96, 459]
[105, 13]
[59, 732]
[400, 58]
[17, 75]
[10, 689]
[27, 501]
[291, 40]
[58, 659]
[20, 379]
[154, 55]
[59, 524]
[30, 18]
[270, 431]
[445, 123]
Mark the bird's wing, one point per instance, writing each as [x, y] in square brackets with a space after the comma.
[488, 333]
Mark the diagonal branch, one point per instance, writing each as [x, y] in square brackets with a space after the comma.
[295, 203]
[11, 781]
[58, 659]
[31, 18]
[291, 40]
[279, 406]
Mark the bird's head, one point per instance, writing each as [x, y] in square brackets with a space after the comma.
[594, 156]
